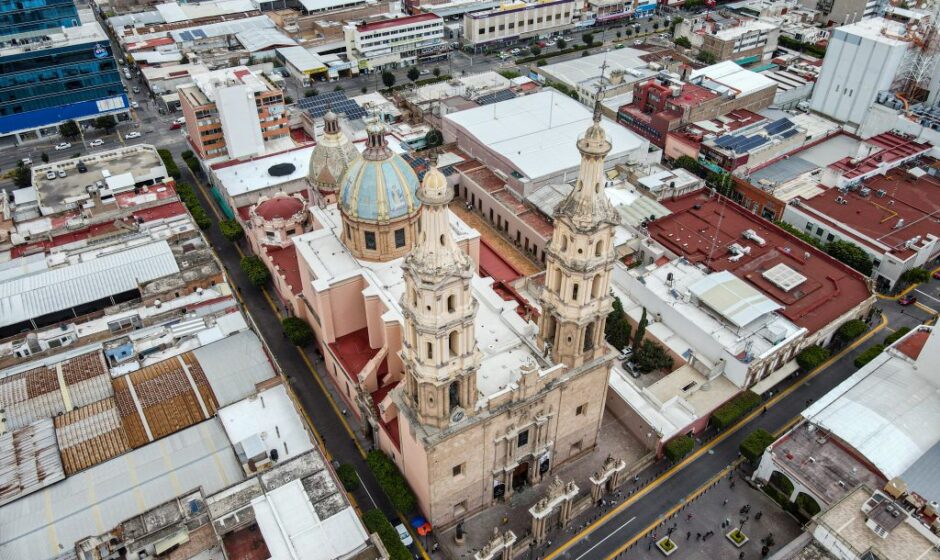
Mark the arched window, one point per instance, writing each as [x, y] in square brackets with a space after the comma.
[599, 248]
[589, 337]
[564, 242]
[453, 341]
[574, 292]
[453, 395]
[451, 303]
[596, 287]
[443, 239]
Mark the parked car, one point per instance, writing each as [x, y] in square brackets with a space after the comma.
[425, 72]
[96, 142]
[62, 174]
[404, 535]
[936, 274]
[135, 105]
[82, 168]
[619, 46]
[549, 43]
[175, 125]
[626, 352]
[638, 42]
[50, 174]
[515, 52]
[907, 300]
[62, 146]
[26, 161]
[136, 89]
[132, 134]
[180, 121]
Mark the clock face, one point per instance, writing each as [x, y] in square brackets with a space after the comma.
[457, 416]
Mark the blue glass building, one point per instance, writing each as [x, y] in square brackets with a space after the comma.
[53, 67]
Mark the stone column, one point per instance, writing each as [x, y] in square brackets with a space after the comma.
[540, 513]
[507, 481]
[597, 487]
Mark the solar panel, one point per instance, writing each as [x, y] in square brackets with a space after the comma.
[726, 141]
[778, 126]
[790, 133]
[199, 34]
[496, 97]
[186, 36]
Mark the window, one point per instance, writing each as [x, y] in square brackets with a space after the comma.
[451, 303]
[580, 410]
[596, 286]
[599, 248]
[522, 439]
[809, 226]
[457, 470]
[830, 237]
[454, 343]
[370, 240]
[589, 337]
[819, 231]
[574, 292]
[400, 237]
[430, 351]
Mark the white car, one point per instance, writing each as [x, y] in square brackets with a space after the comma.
[62, 146]
[130, 135]
[404, 535]
[96, 142]
[515, 51]
[27, 161]
[50, 174]
[62, 174]
[550, 43]
[180, 121]
[135, 105]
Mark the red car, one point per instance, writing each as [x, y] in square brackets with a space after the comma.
[175, 125]
[907, 300]
[937, 275]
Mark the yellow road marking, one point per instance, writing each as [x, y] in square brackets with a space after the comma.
[926, 308]
[721, 437]
[906, 290]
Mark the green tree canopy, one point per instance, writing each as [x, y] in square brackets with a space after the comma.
[414, 73]
[852, 255]
[588, 38]
[388, 79]
[69, 129]
[106, 123]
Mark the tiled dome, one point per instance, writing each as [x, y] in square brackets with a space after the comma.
[282, 207]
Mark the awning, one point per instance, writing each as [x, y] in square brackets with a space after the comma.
[774, 378]
[166, 543]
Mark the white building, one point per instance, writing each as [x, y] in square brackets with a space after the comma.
[861, 60]
[518, 20]
[395, 43]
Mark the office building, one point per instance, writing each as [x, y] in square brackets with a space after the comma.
[232, 113]
[55, 65]
[861, 60]
[520, 20]
[396, 43]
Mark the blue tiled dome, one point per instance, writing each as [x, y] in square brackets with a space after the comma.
[380, 186]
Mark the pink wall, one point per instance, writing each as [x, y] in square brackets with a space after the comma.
[346, 307]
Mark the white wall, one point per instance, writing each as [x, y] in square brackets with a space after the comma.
[239, 116]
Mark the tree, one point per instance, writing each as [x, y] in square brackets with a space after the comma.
[312, 92]
[337, 87]
[69, 129]
[619, 34]
[388, 79]
[44, 157]
[509, 74]
[436, 71]
[541, 62]
[561, 43]
[375, 522]
[729, 413]
[585, 53]
[391, 481]
[629, 32]
[640, 332]
[22, 176]
[868, 355]
[364, 89]
[850, 330]
[588, 38]
[895, 336]
[651, 357]
[812, 357]
[414, 74]
[255, 270]
[231, 230]
[678, 447]
[297, 331]
[535, 50]
[706, 57]
[185, 60]
[106, 123]
[915, 275]
[347, 475]
[801, 234]
[617, 328]
[753, 446]
[656, 26]
[683, 42]
[850, 254]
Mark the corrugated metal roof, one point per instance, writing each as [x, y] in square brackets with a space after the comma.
[732, 297]
[47, 522]
[262, 38]
[95, 277]
[29, 460]
[234, 366]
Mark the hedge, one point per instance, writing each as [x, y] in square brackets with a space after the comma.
[191, 201]
[895, 336]
[868, 355]
[231, 230]
[729, 413]
[678, 447]
[376, 523]
[753, 446]
[297, 331]
[850, 330]
[171, 167]
[812, 357]
[391, 481]
[347, 475]
[257, 273]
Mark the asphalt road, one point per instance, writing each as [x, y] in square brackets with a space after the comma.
[608, 536]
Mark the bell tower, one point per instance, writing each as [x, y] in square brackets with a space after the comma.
[439, 349]
[580, 256]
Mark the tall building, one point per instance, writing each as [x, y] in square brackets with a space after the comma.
[842, 12]
[56, 64]
[862, 59]
[396, 43]
[232, 113]
[520, 20]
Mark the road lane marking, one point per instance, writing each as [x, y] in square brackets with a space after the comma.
[612, 533]
[925, 294]
[711, 444]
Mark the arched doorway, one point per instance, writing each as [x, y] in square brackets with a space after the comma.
[520, 476]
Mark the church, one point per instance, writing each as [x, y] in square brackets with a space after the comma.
[471, 399]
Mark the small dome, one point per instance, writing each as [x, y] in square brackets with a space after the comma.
[283, 207]
[434, 189]
[331, 156]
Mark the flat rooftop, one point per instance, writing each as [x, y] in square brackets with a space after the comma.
[882, 149]
[908, 208]
[205, 85]
[537, 133]
[118, 169]
[729, 77]
[86, 32]
[703, 228]
[254, 175]
[581, 70]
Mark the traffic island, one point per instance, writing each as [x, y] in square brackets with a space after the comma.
[666, 546]
[737, 538]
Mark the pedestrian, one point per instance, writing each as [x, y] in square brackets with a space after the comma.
[741, 556]
[689, 517]
[688, 535]
[636, 478]
[724, 503]
[764, 411]
[758, 515]
[698, 536]
[732, 485]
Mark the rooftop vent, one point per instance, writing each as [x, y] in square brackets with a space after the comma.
[281, 169]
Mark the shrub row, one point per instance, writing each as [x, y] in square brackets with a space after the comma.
[376, 523]
[189, 198]
[391, 481]
[297, 331]
[868, 355]
[678, 447]
[895, 336]
[171, 168]
[753, 446]
[729, 413]
[812, 357]
[347, 475]
[850, 330]
[254, 268]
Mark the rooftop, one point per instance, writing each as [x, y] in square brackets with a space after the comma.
[895, 210]
[877, 152]
[270, 416]
[208, 83]
[724, 236]
[889, 412]
[175, 12]
[249, 176]
[586, 70]
[302, 59]
[729, 77]
[878, 29]
[86, 32]
[398, 22]
[537, 133]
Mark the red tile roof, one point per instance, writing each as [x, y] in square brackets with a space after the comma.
[279, 207]
[702, 228]
[285, 258]
[353, 352]
[912, 344]
[397, 22]
[889, 147]
[870, 219]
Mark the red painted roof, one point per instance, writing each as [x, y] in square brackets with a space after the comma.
[888, 147]
[873, 218]
[279, 207]
[354, 352]
[494, 266]
[285, 258]
[397, 22]
[702, 228]
[913, 343]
